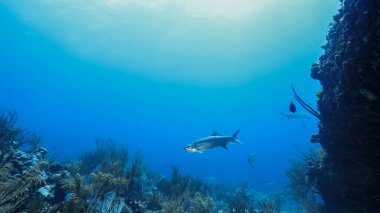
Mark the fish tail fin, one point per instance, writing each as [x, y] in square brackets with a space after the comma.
[283, 114]
[236, 133]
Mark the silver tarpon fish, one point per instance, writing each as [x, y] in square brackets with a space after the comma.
[213, 141]
[295, 115]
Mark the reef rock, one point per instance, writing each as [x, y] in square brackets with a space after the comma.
[26, 160]
[47, 191]
[349, 128]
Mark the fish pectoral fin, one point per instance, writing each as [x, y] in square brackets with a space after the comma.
[225, 146]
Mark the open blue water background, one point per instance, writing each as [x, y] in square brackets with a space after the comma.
[165, 78]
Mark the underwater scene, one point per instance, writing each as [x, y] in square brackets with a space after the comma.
[194, 106]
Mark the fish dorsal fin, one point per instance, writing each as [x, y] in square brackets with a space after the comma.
[215, 133]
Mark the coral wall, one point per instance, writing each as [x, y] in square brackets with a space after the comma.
[349, 105]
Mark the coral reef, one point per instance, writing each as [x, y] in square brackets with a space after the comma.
[349, 106]
[106, 180]
[302, 180]
[21, 172]
[241, 202]
[201, 203]
[101, 180]
[10, 135]
[107, 158]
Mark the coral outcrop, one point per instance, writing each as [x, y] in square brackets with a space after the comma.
[302, 176]
[349, 106]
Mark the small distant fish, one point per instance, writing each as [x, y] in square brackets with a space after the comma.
[292, 107]
[295, 115]
[368, 94]
[213, 141]
[251, 159]
[269, 183]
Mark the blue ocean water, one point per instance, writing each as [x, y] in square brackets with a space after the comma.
[157, 75]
